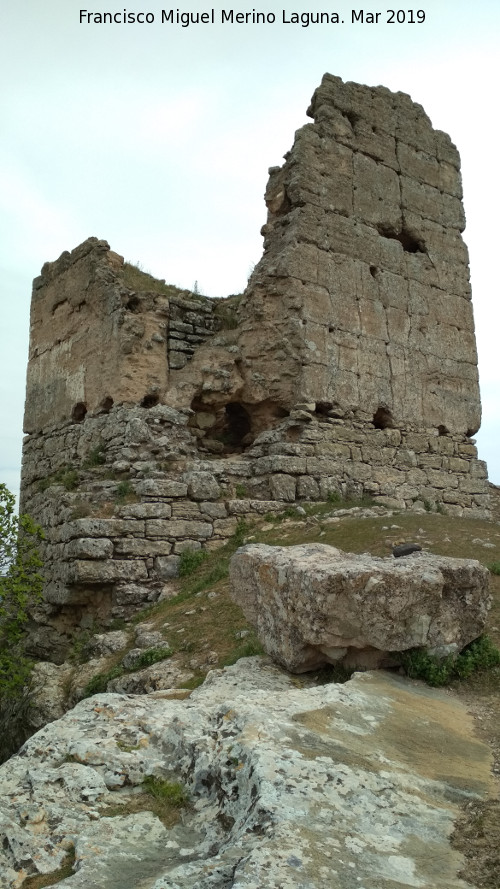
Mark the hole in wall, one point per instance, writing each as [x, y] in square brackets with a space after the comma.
[78, 412]
[443, 430]
[133, 304]
[409, 243]
[150, 399]
[374, 271]
[352, 117]
[106, 404]
[237, 424]
[323, 408]
[382, 418]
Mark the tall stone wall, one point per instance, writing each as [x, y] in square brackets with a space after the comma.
[157, 418]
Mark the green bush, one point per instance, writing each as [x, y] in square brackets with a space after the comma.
[152, 656]
[98, 683]
[478, 656]
[20, 587]
[190, 560]
[96, 457]
[124, 490]
[494, 568]
[66, 476]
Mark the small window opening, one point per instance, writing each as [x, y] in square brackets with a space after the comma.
[382, 419]
[78, 412]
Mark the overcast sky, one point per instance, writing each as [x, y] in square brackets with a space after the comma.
[158, 138]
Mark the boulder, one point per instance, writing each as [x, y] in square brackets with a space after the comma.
[314, 604]
[353, 785]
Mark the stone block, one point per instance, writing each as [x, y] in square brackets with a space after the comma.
[152, 487]
[104, 572]
[176, 528]
[283, 487]
[89, 548]
[202, 486]
[313, 604]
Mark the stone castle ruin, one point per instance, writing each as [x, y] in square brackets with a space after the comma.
[156, 418]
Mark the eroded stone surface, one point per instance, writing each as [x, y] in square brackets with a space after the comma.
[353, 785]
[313, 604]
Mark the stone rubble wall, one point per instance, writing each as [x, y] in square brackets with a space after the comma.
[141, 493]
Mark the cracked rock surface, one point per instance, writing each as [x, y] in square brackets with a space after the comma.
[354, 786]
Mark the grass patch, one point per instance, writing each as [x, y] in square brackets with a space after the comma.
[98, 683]
[163, 798]
[96, 457]
[135, 278]
[67, 476]
[41, 880]
[479, 656]
[151, 656]
[249, 648]
[170, 792]
[494, 568]
[190, 560]
[125, 492]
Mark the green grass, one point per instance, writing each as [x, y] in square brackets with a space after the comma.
[251, 646]
[494, 568]
[170, 792]
[190, 560]
[67, 476]
[40, 881]
[96, 457]
[481, 655]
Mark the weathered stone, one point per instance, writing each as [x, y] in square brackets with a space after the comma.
[285, 785]
[89, 548]
[103, 644]
[178, 528]
[161, 488]
[106, 572]
[202, 486]
[283, 487]
[313, 604]
[167, 567]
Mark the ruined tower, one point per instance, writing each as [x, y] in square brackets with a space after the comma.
[156, 418]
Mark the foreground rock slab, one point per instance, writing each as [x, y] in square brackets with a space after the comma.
[313, 604]
[291, 785]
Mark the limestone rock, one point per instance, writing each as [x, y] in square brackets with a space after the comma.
[314, 604]
[335, 785]
[102, 644]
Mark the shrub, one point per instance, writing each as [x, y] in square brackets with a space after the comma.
[478, 656]
[20, 587]
[152, 656]
[124, 490]
[494, 568]
[96, 457]
[190, 560]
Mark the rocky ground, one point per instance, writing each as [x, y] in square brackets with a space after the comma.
[200, 628]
